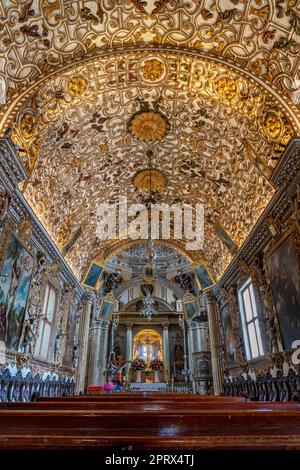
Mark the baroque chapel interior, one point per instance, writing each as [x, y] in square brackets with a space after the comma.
[149, 224]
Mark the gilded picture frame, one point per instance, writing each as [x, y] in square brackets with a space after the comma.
[283, 270]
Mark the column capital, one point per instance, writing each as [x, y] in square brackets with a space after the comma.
[165, 325]
[88, 298]
[209, 297]
[129, 325]
[100, 324]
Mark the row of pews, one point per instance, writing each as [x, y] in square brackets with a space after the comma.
[148, 421]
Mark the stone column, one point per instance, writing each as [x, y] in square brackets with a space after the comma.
[166, 351]
[214, 343]
[128, 347]
[191, 350]
[186, 371]
[98, 352]
[84, 325]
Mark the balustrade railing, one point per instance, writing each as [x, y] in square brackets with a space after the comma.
[265, 387]
[19, 388]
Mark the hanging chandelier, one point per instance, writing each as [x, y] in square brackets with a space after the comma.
[149, 307]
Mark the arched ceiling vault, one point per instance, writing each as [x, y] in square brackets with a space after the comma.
[222, 74]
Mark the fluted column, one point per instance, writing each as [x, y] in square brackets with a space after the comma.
[186, 372]
[98, 353]
[83, 342]
[191, 350]
[166, 351]
[214, 343]
[128, 347]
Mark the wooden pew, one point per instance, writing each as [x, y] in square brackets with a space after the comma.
[146, 405]
[134, 397]
[162, 429]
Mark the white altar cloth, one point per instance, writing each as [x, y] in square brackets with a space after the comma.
[148, 387]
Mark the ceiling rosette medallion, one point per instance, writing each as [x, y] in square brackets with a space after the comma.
[152, 70]
[149, 125]
[149, 179]
[77, 85]
[28, 124]
[226, 88]
[275, 126]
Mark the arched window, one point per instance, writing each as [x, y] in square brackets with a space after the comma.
[250, 322]
[47, 324]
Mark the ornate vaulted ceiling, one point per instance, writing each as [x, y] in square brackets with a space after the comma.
[77, 80]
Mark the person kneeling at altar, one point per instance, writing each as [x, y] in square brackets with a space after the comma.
[108, 387]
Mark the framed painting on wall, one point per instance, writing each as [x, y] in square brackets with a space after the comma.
[229, 344]
[203, 277]
[284, 274]
[107, 306]
[190, 305]
[15, 279]
[92, 278]
[226, 240]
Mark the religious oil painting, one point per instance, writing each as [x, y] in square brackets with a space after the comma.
[230, 245]
[15, 278]
[203, 277]
[93, 276]
[230, 350]
[284, 274]
[106, 309]
[190, 307]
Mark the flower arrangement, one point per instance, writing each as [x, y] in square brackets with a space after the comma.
[138, 364]
[156, 364]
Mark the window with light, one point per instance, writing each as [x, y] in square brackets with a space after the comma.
[250, 321]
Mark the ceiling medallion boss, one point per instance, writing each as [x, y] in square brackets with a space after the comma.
[148, 124]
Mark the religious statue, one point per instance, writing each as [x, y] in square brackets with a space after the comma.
[57, 347]
[116, 366]
[111, 282]
[28, 336]
[75, 357]
[178, 351]
[185, 281]
[40, 269]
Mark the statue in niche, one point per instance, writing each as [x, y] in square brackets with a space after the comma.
[178, 350]
[117, 348]
[147, 289]
[75, 356]
[111, 282]
[28, 336]
[185, 281]
[57, 347]
[40, 269]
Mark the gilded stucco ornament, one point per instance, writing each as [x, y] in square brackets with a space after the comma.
[149, 179]
[273, 125]
[226, 88]
[28, 124]
[77, 85]
[148, 126]
[152, 70]
[93, 157]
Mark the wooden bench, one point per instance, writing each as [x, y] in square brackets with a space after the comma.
[150, 429]
[134, 397]
[145, 405]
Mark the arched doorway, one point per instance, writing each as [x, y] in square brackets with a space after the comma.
[147, 345]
